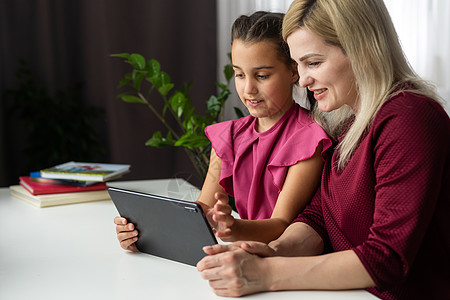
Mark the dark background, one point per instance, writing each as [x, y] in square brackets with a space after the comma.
[69, 42]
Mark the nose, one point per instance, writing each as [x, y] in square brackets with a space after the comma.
[250, 87]
[305, 80]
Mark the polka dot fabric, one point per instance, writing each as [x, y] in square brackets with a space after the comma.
[391, 203]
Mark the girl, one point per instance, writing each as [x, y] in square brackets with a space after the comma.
[269, 161]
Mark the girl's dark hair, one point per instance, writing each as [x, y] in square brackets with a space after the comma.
[265, 26]
[262, 26]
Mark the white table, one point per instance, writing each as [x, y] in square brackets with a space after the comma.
[71, 252]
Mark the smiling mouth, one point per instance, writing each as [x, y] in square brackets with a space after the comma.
[317, 92]
[254, 101]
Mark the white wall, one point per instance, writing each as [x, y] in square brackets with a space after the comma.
[423, 27]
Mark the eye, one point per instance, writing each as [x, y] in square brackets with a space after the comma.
[314, 64]
[238, 75]
[262, 76]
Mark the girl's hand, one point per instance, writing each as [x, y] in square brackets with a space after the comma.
[126, 234]
[222, 218]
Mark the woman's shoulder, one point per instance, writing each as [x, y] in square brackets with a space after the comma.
[410, 105]
[411, 102]
[410, 112]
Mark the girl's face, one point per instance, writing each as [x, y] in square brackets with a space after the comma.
[324, 69]
[263, 81]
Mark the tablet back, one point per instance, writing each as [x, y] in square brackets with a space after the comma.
[168, 228]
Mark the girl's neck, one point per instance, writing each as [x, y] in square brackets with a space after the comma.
[264, 124]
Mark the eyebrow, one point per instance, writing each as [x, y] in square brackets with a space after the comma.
[309, 56]
[257, 68]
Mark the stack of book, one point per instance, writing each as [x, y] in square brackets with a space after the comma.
[71, 182]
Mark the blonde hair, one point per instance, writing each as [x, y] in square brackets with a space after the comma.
[364, 31]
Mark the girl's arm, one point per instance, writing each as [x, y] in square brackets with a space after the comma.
[211, 183]
[299, 186]
[211, 187]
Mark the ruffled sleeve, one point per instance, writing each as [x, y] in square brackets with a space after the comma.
[299, 145]
[220, 135]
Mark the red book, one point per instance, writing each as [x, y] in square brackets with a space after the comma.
[41, 188]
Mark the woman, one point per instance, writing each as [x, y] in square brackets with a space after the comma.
[380, 218]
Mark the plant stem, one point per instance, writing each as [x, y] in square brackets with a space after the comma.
[174, 134]
[194, 161]
[173, 114]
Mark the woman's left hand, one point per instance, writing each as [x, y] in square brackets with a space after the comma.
[236, 269]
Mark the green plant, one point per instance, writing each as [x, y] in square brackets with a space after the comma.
[59, 128]
[145, 77]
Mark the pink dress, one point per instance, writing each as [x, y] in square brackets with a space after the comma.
[254, 165]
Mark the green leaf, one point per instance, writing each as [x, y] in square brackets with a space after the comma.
[228, 72]
[165, 78]
[214, 106]
[222, 86]
[153, 68]
[185, 88]
[223, 96]
[202, 121]
[192, 141]
[122, 55]
[137, 61]
[137, 77]
[166, 106]
[125, 80]
[238, 112]
[178, 103]
[160, 79]
[132, 99]
[188, 112]
[188, 125]
[158, 141]
[165, 89]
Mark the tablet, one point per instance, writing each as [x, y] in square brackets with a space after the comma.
[169, 228]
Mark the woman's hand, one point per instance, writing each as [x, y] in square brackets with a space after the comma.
[126, 234]
[236, 269]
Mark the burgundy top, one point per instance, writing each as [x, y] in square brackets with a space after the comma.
[254, 165]
[391, 203]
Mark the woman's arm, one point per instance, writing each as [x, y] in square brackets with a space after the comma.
[299, 186]
[249, 267]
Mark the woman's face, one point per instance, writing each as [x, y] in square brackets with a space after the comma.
[324, 69]
[263, 81]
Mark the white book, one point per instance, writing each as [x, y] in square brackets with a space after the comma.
[85, 171]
